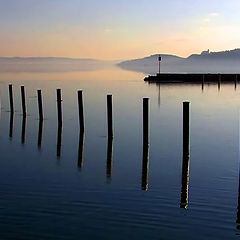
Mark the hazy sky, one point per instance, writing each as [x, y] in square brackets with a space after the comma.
[117, 29]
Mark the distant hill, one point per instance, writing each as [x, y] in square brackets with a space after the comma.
[224, 61]
[148, 60]
[223, 55]
[50, 64]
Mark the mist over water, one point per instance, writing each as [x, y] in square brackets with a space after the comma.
[94, 187]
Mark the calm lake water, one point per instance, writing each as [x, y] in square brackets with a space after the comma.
[78, 195]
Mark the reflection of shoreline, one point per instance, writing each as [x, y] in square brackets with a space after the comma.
[182, 68]
[191, 84]
[110, 73]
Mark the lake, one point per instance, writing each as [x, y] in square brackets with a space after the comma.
[62, 185]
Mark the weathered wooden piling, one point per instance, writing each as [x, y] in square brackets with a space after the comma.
[110, 136]
[40, 105]
[24, 110]
[109, 157]
[186, 128]
[145, 154]
[146, 121]
[59, 106]
[10, 87]
[186, 155]
[59, 113]
[110, 116]
[81, 150]
[80, 110]
[40, 133]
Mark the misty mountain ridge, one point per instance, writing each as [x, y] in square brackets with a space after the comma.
[224, 61]
[228, 54]
[205, 62]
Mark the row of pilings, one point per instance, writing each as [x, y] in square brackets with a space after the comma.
[145, 150]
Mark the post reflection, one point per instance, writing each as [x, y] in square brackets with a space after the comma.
[109, 157]
[203, 81]
[40, 132]
[238, 207]
[11, 126]
[59, 140]
[186, 156]
[145, 153]
[235, 82]
[145, 166]
[219, 83]
[185, 180]
[159, 95]
[24, 119]
[81, 149]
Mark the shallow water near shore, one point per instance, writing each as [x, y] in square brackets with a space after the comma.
[78, 194]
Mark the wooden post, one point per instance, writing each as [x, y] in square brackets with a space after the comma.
[24, 111]
[145, 120]
[59, 106]
[186, 155]
[40, 105]
[109, 116]
[80, 110]
[145, 154]
[186, 130]
[10, 87]
[110, 135]
[59, 135]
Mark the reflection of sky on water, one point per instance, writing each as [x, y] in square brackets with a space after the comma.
[47, 195]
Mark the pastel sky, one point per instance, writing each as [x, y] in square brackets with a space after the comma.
[117, 29]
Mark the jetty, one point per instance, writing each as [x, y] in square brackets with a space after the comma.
[192, 77]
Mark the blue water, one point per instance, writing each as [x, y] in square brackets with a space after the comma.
[45, 196]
